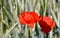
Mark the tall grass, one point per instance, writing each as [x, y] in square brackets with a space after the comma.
[9, 12]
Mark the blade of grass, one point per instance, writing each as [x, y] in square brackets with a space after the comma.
[53, 14]
[10, 4]
[11, 28]
[7, 13]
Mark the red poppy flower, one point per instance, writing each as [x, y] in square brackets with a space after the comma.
[28, 18]
[46, 23]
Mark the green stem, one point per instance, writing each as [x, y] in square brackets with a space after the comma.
[26, 31]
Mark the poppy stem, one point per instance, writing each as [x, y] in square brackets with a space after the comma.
[11, 28]
[26, 31]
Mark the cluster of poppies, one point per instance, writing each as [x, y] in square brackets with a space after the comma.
[29, 18]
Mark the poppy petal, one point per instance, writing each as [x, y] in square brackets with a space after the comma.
[35, 15]
[46, 30]
[21, 20]
[28, 18]
[31, 25]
